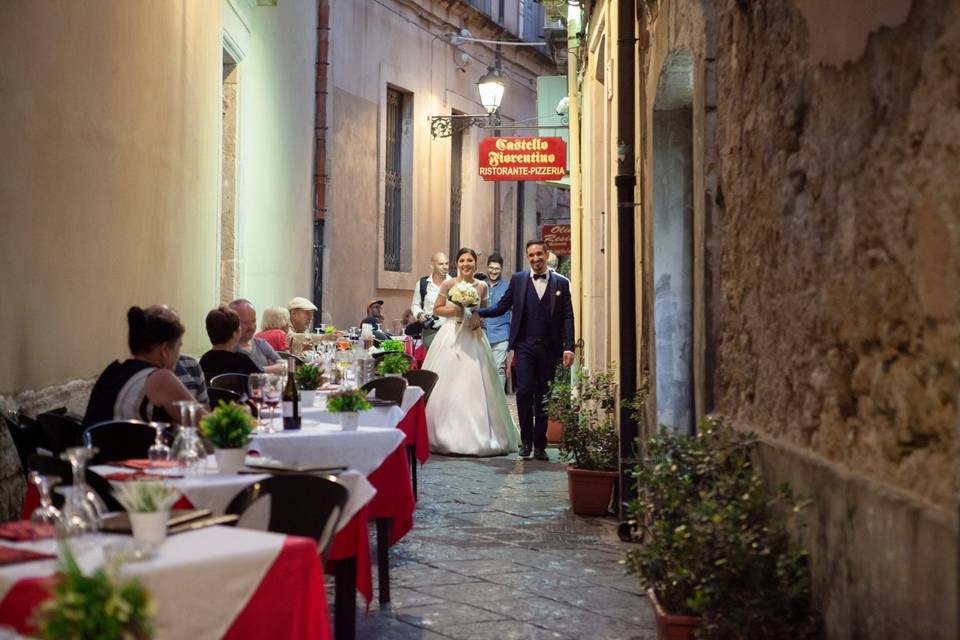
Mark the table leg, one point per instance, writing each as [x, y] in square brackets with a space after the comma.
[345, 599]
[412, 457]
[383, 560]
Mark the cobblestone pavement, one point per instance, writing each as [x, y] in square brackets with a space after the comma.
[496, 553]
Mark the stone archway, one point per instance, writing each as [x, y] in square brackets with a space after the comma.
[673, 247]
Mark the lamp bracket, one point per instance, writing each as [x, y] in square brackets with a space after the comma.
[446, 126]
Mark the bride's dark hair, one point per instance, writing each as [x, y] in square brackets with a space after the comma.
[463, 251]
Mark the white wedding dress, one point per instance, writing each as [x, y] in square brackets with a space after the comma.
[467, 413]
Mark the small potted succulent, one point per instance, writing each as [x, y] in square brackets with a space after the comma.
[148, 505]
[94, 607]
[393, 364]
[348, 404]
[309, 377]
[228, 428]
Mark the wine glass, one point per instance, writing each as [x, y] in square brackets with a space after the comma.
[88, 502]
[46, 515]
[255, 384]
[159, 449]
[79, 517]
[344, 361]
[187, 449]
[272, 391]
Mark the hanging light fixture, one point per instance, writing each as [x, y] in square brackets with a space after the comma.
[491, 88]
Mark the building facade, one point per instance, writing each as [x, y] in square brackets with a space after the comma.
[392, 194]
[769, 231]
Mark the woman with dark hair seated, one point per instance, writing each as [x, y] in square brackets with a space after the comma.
[223, 328]
[143, 387]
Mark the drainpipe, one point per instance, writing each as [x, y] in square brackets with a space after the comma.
[625, 182]
[320, 176]
[574, 22]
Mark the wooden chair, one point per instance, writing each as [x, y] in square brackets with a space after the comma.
[50, 466]
[119, 440]
[236, 382]
[387, 388]
[426, 380]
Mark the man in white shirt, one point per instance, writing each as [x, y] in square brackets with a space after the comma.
[425, 296]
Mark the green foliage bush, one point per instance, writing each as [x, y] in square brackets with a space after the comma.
[392, 345]
[586, 408]
[228, 426]
[716, 543]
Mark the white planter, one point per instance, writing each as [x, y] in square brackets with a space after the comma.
[307, 396]
[349, 421]
[230, 460]
[149, 527]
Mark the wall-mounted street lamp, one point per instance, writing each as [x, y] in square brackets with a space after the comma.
[491, 86]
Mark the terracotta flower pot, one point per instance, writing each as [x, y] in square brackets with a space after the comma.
[554, 430]
[590, 491]
[669, 626]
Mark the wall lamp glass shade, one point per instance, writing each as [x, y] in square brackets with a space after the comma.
[491, 90]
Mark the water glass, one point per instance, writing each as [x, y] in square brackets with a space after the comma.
[79, 457]
[188, 451]
[46, 513]
[159, 450]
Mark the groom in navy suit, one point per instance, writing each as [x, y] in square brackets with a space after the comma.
[541, 335]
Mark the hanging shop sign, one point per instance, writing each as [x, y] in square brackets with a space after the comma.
[557, 237]
[523, 158]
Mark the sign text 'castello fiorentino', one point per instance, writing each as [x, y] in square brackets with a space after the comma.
[523, 158]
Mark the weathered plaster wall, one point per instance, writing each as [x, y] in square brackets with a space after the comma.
[840, 258]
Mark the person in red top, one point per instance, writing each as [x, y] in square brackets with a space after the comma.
[275, 324]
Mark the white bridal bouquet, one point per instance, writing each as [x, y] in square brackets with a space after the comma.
[464, 295]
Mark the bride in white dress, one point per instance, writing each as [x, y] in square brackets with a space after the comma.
[467, 413]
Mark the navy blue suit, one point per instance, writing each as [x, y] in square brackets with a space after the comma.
[541, 329]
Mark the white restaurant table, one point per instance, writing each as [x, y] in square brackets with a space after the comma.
[200, 580]
[214, 491]
[325, 444]
[375, 417]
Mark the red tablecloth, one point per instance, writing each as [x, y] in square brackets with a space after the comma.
[414, 425]
[290, 602]
[353, 540]
[394, 499]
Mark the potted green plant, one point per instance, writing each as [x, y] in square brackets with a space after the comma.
[391, 345]
[561, 390]
[309, 377]
[94, 607]
[393, 364]
[717, 559]
[228, 428]
[148, 505]
[590, 443]
[348, 403]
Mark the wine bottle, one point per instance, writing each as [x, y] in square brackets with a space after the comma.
[291, 399]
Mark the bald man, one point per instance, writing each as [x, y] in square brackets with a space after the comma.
[425, 295]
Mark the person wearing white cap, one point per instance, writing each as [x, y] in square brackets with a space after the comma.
[301, 314]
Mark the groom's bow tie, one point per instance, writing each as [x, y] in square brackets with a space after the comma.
[539, 276]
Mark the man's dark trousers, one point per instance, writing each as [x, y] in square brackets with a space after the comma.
[535, 367]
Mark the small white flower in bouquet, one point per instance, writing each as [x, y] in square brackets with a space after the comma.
[464, 295]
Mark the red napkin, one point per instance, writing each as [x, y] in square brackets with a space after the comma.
[13, 555]
[123, 476]
[20, 530]
[143, 463]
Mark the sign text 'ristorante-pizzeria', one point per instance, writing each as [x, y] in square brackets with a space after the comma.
[523, 158]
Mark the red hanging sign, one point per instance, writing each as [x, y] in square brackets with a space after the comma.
[557, 237]
[523, 158]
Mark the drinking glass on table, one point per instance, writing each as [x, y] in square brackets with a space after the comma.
[272, 391]
[188, 450]
[46, 514]
[159, 451]
[255, 385]
[89, 504]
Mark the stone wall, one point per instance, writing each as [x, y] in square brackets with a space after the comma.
[839, 260]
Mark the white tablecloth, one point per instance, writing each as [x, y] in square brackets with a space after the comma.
[375, 417]
[200, 580]
[327, 445]
[214, 491]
